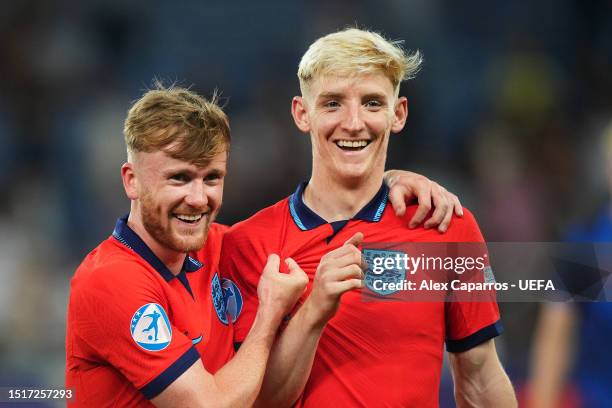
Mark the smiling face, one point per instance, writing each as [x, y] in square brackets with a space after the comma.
[349, 119]
[173, 201]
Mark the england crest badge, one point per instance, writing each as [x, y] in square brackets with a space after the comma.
[377, 281]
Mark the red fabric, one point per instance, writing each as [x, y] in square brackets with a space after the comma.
[105, 366]
[371, 353]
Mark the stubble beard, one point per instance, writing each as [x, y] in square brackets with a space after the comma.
[151, 219]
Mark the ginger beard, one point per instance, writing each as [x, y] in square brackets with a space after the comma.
[171, 232]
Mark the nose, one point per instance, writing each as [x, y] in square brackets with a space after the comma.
[196, 196]
[352, 121]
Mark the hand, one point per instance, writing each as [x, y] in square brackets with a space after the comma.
[279, 291]
[338, 272]
[405, 185]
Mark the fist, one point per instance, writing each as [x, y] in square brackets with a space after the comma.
[339, 271]
[278, 292]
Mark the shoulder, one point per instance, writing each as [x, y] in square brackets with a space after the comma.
[215, 235]
[461, 229]
[464, 224]
[261, 225]
[109, 270]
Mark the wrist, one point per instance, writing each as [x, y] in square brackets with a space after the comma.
[269, 315]
[265, 325]
[311, 317]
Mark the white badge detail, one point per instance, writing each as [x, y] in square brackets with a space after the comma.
[151, 328]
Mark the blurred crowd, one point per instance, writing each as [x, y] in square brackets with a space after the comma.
[507, 112]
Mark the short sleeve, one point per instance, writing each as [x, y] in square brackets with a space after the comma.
[469, 324]
[129, 325]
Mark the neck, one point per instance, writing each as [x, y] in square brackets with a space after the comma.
[172, 259]
[334, 199]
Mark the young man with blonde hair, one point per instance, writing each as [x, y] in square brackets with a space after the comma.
[148, 311]
[338, 350]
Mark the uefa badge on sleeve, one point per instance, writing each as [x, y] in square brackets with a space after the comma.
[151, 328]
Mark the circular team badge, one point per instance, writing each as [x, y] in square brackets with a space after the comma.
[226, 298]
[232, 299]
[217, 299]
[151, 328]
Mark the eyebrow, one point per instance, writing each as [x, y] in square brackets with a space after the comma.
[330, 95]
[338, 95]
[375, 95]
[178, 170]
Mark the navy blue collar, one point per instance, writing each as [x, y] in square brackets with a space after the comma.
[124, 234]
[306, 219]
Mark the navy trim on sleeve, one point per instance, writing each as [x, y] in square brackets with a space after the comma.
[162, 381]
[471, 341]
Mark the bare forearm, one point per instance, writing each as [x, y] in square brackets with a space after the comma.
[290, 361]
[552, 355]
[240, 380]
[480, 379]
[494, 392]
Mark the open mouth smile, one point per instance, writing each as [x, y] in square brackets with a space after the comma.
[352, 145]
[189, 219]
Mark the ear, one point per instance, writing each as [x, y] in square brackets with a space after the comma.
[128, 176]
[300, 114]
[400, 114]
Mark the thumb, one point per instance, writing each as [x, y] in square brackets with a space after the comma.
[355, 240]
[294, 268]
[272, 265]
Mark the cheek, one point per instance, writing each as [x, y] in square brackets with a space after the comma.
[216, 196]
[324, 125]
[380, 124]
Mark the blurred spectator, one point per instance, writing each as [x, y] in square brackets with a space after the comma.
[571, 363]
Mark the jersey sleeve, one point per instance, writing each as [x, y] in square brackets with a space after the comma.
[242, 263]
[470, 323]
[129, 326]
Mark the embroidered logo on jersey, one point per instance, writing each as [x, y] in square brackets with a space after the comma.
[232, 299]
[151, 328]
[217, 299]
[393, 275]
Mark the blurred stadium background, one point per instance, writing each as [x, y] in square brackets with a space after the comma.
[507, 112]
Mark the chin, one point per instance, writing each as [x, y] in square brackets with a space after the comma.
[189, 245]
[352, 173]
[188, 242]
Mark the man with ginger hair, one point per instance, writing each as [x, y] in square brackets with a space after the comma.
[337, 350]
[147, 316]
[177, 145]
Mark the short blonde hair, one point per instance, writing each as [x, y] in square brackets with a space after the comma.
[178, 121]
[353, 52]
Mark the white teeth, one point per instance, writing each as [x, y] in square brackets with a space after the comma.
[190, 218]
[352, 143]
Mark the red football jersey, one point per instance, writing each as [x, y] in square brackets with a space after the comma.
[134, 327]
[371, 353]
